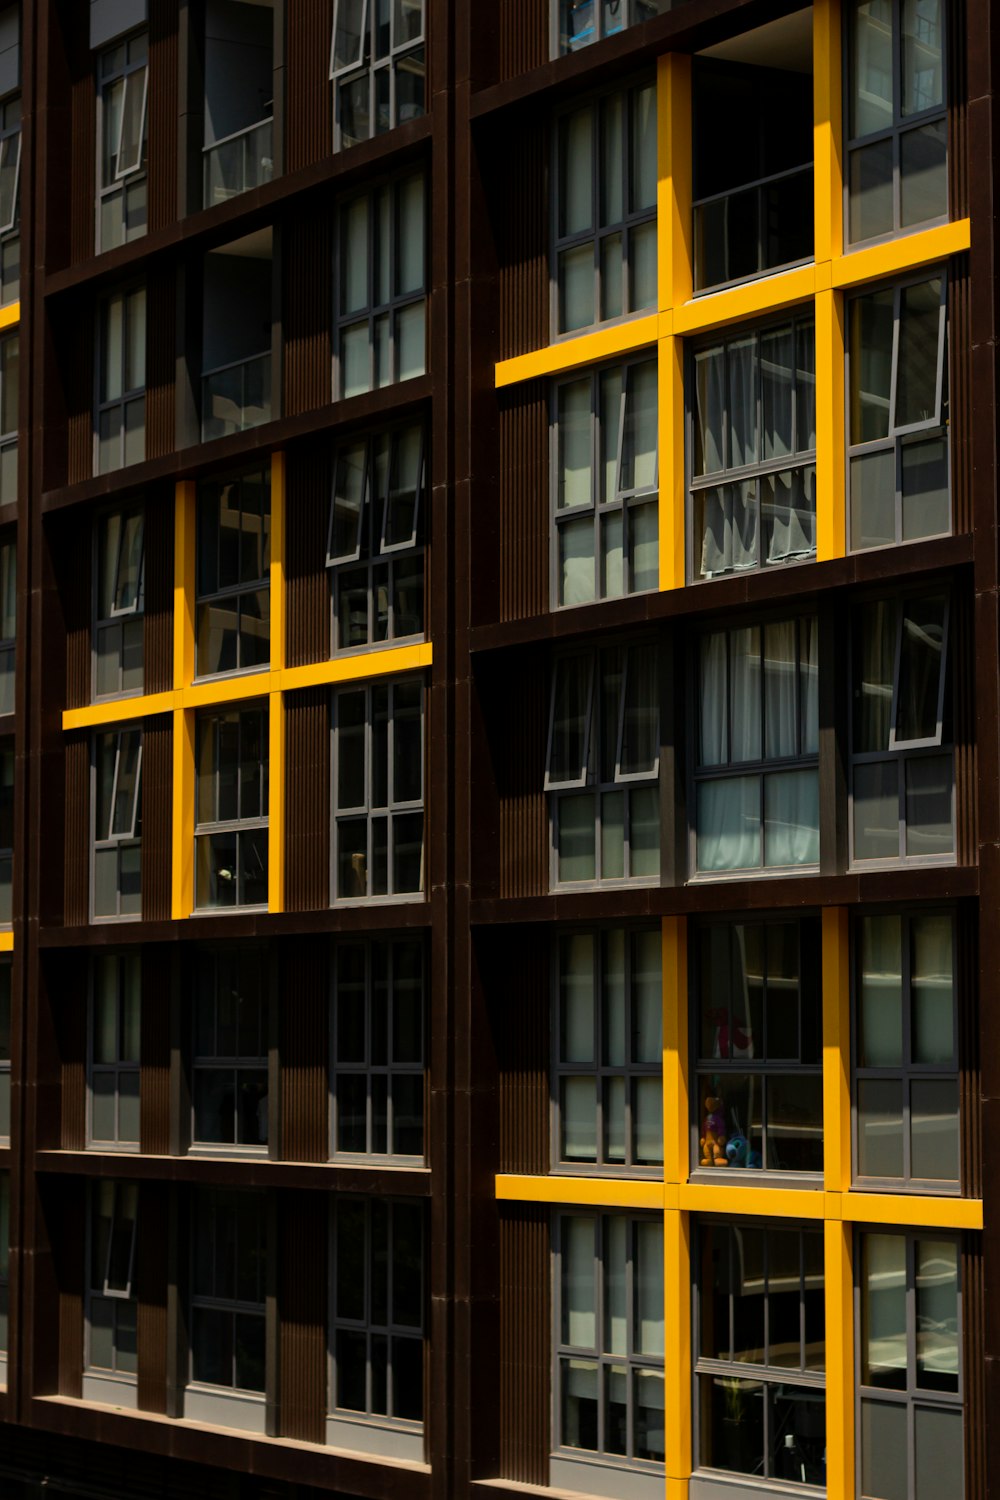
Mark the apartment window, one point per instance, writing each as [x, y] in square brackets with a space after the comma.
[378, 781]
[238, 136]
[111, 1304]
[374, 548]
[378, 1299]
[115, 1005]
[378, 1049]
[121, 141]
[120, 602]
[230, 1048]
[381, 280]
[898, 450]
[609, 1333]
[607, 1082]
[908, 1302]
[761, 1352]
[117, 881]
[8, 622]
[10, 200]
[10, 364]
[6, 980]
[577, 23]
[234, 569]
[6, 831]
[231, 829]
[4, 1261]
[758, 1046]
[121, 412]
[228, 1289]
[605, 484]
[897, 126]
[605, 229]
[603, 765]
[906, 1052]
[376, 67]
[756, 779]
[902, 764]
[753, 450]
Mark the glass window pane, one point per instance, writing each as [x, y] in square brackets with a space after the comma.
[575, 169]
[936, 1282]
[575, 838]
[643, 165]
[880, 1128]
[929, 823]
[884, 1462]
[871, 67]
[870, 194]
[925, 486]
[579, 1404]
[732, 1424]
[873, 497]
[791, 818]
[579, 1305]
[876, 811]
[576, 288]
[571, 703]
[639, 438]
[794, 1123]
[922, 30]
[745, 692]
[742, 371]
[575, 478]
[777, 387]
[883, 1313]
[920, 331]
[614, 1264]
[611, 197]
[923, 171]
[880, 1037]
[576, 989]
[934, 1145]
[578, 1119]
[871, 341]
[729, 823]
[648, 1282]
[938, 1454]
[932, 979]
[709, 413]
[410, 259]
[647, 998]
[920, 666]
[780, 681]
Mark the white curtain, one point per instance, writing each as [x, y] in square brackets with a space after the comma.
[729, 823]
[791, 818]
[744, 692]
[788, 502]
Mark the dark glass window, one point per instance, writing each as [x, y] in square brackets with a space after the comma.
[378, 1048]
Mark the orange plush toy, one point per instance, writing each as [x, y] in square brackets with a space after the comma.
[713, 1142]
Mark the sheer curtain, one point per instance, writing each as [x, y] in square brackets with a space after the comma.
[788, 510]
[791, 818]
[744, 690]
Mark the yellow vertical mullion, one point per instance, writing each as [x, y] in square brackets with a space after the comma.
[677, 1367]
[673, 206]
[839, 1307]
[277, 561]
[184, 564]
[836, 1050]
[276, 803]
[671, 462]
[182, 866]
[831, 493]
[827, 131]
[676, 1117]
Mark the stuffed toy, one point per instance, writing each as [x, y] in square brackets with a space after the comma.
[739, 1154]
[713, 1142]
[736, 1035]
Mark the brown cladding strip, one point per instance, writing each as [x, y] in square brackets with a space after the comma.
[307, 260]
[525, 1339]
[302, 1228]
[67, 986]
[959, 372]
[521, 229]
[158, 567]
[523, 36]
[163, 112]
[966, 780]
[307, 813]
[76, 592]
[66, 1210]
[518, 988]
[309, 121]
[154, 1050]
[304, 1009]
[78, 380]
[969, 1074]
[151, 1294]
[76, 877]
[524, 503]
[82, 145]
[973, 1370]
[958, 113]
[157, 807]
[161, 367]
[308, 484]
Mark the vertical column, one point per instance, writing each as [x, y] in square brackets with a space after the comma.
[276, 701]
[671, 462]
[676, 1113]
[839, 1359]
[827, 131]
[673, 97]
[836, 1050]
[676, 1227]
[182, 864]
[831, 519]
[831, 499]
[837, 1174]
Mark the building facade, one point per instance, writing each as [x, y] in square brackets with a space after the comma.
[499, 749]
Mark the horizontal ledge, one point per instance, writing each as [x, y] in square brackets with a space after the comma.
[380, 663]
[596, 1192]
[791, 584]
[221, 927]
[904, 253]
[10, 315]
[585, 349]
[243, 1171]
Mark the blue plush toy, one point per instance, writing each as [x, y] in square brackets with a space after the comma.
[739, 1154]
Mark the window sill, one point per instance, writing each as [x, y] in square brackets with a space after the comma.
[760, 872]
[375, 1439]
[228, 1150]
[756, 1177]
[901, 1188]
[110, 1390]
[222, 1408]
[616, 1481]
[762, 275]
[706, 1485]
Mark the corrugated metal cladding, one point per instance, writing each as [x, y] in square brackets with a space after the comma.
[303, 1223]
[307, 256]
[158, 573]
[308, 480]
[523, 36]
[305, 1049]
[157, 806]
[307, 811]
[517, 979]
[521, 226]
[309, 126]
[524, 511]
[525, 1344]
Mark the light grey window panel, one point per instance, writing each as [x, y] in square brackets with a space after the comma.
[233, 612]
[110, 1343]
[10, 48]
[122, 122]
[110, 18]
[380, 282]
[228, 1288]
[119, 600]
[377, 65]
[231, 837]
[577, 23]
[117, 849]
[10, 365]
[120, 436]
[114, 1050]
[229, 1066]
[8, 623]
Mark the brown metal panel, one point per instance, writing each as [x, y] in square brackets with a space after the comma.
[69, 999]
[974, 1370]
[523, 36]
[83, 137]
[163, 112]
[958, 134]
[303, 1220]
[309, 114]
[307, 811]
[158, 623]
[962, 650]
[154, 1055]
[521, 227]
[78, 379]
[151, 1289]
[960, 372]
[524, 503]
[161, 334]
[157, 805]
[525, 1344]
[76, 592]
[519, 764]
[969, 1076]
[519, 987]
[307, 508]
[76, 876]
[69, 1204]
[307, 262]
[304, 1007]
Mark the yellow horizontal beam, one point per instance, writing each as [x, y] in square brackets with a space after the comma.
[908, 1209]
[394, 659]
[905, 253]
[6, 942]
[10, 315]
[587, 1192]
[743, 1197]
[736, 303]
[588, 349]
